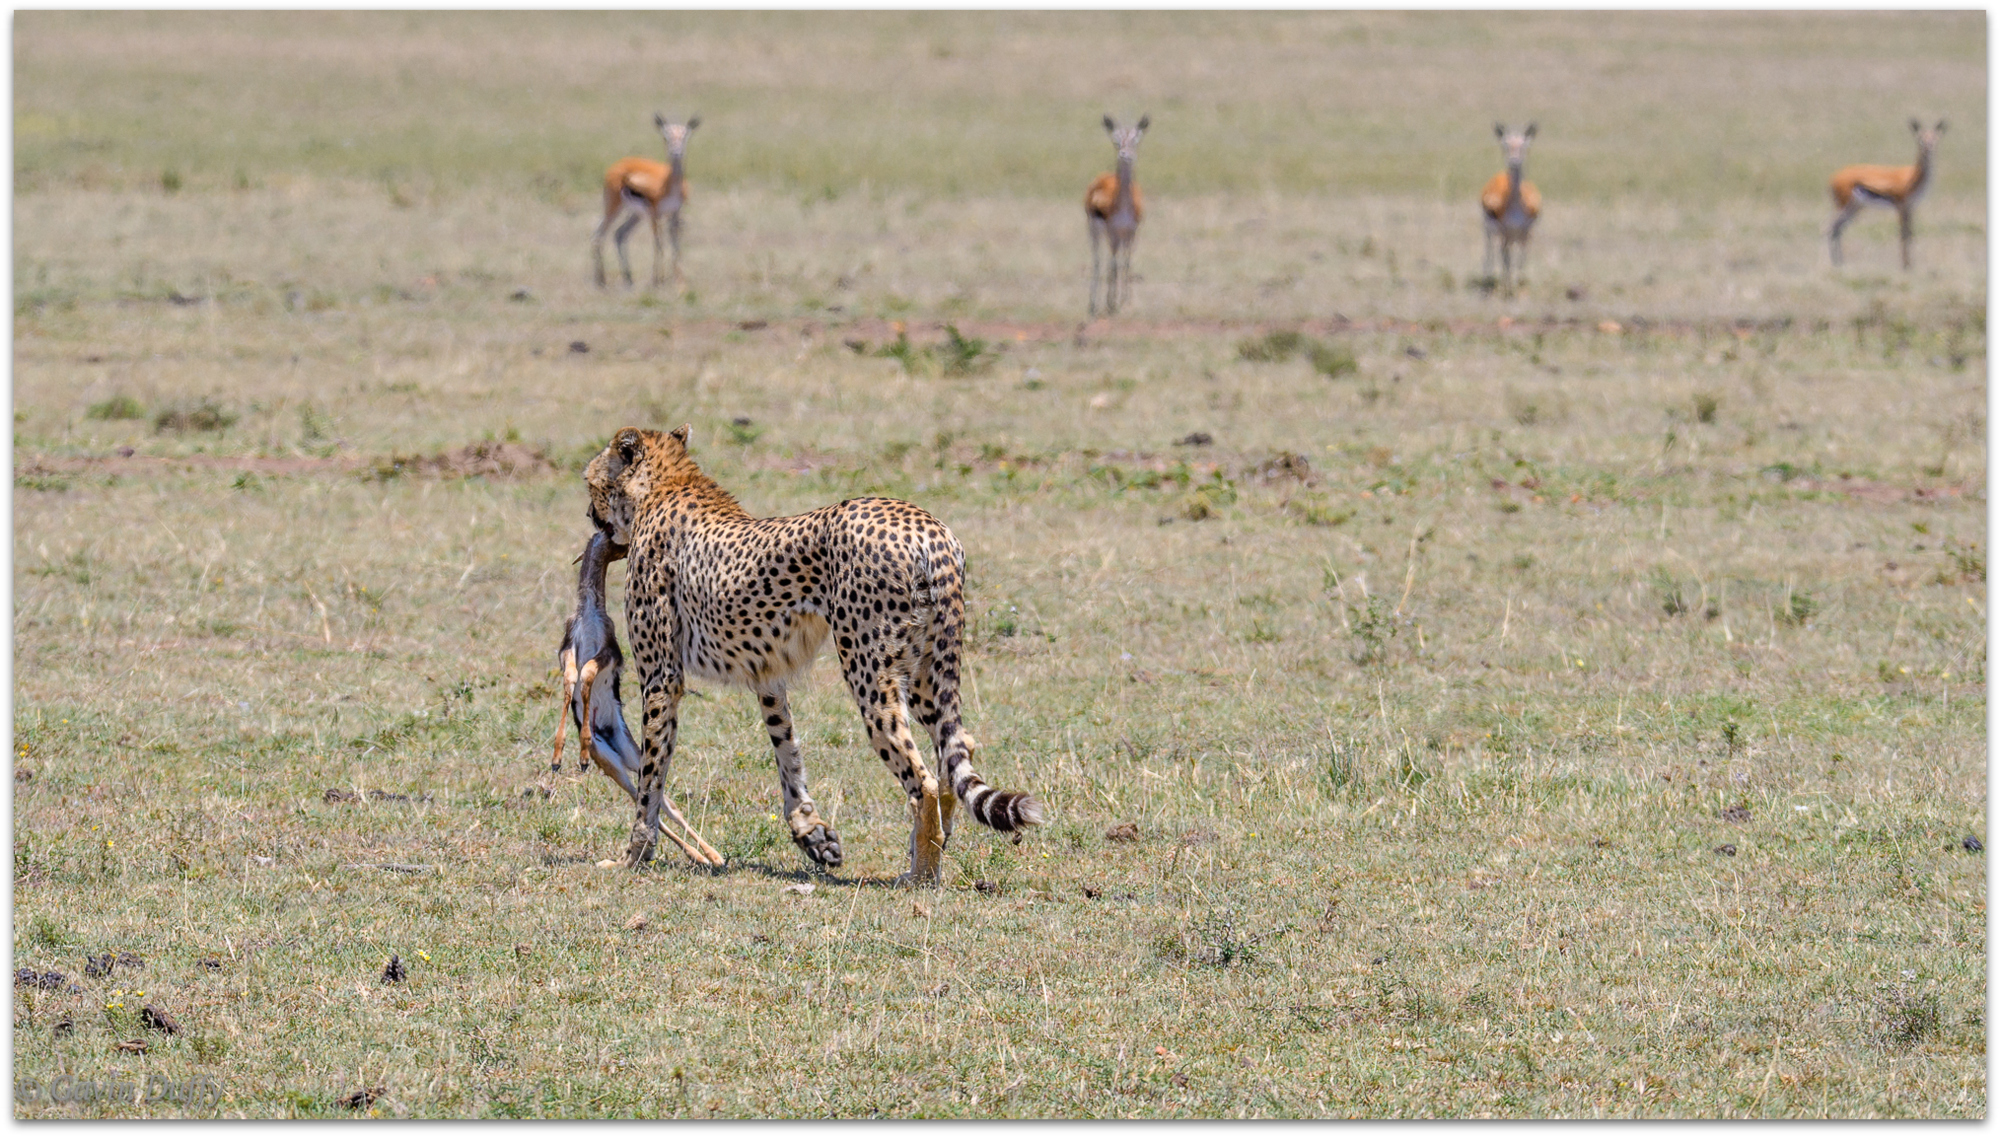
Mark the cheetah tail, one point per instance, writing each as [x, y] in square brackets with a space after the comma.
[1005, 810]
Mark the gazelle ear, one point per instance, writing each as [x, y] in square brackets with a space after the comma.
[1145, 120]
[680, 433]
[694, 120]
[1109, 126]
[1530, 132]
[659, 121]
[1499, 131]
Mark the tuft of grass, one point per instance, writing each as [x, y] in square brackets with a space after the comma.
[204, 415]
[117, 407]
[1332, 360]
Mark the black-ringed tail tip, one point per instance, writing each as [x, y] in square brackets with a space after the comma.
[1005, 812]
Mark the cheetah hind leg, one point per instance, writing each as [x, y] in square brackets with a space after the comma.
[930, 817]
[814, 837]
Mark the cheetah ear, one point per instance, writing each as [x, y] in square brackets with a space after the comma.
[680, 433]
[627, 443]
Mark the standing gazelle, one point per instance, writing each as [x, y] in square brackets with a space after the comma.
[1896, 187]
[1114, 206]
[641, 187]
[1511, 204]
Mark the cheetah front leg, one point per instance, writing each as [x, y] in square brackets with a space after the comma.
[662, 722]
[810, 832]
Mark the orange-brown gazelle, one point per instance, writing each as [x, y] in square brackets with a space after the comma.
[1114, 207]
[1510, 203]
[637, 188]
[1895, 187]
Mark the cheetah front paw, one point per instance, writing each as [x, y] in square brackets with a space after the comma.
[821, 845]
[815, 837]
[638, 853]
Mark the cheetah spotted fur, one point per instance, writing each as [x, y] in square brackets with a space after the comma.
[713, 593]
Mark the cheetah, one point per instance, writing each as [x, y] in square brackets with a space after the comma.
[714, 593]
[591, 695]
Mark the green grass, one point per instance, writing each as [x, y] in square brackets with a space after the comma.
[1560, 702]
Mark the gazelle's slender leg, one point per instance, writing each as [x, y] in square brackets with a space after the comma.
[674, 237]
[587, 744]
[659, 248]
[1840, 220]
[1125, 271]
[1903, 228]
[618, 239]
[568, 693]
[1096, 260]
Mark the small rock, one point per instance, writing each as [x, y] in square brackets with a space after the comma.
[938, 991]
[523, 951]
[335, 794]
[857, 346]
[985, 886]
[1974, 845]
[395, 971]
[578, 347]
[361, 1098]
[1091, 892]
[1197, 438]
[754, 325]
[1179, 1079]
[1737, 814]
[98, 966]
[800, 889]
[210, 964]
[1725, 850]
[64, 1027]
[134, 1046]
[637, 923]
[125, 451]
[920, 910]
[1415, 352]
[521, 296]
[741, 420]
[1123, 831]
[1379, 960]
[129, 961]
[156, 1019]
[1576, 292]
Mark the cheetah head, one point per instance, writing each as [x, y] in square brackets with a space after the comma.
[623, 475]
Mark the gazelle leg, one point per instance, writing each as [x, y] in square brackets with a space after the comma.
[1903, 227]
[659, 251]
[587, 744]
[562, 718]
[674, 238]
[1096, 266]
[1840, 221]
[618, 239]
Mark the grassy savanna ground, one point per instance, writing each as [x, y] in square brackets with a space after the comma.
[1576, 706]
